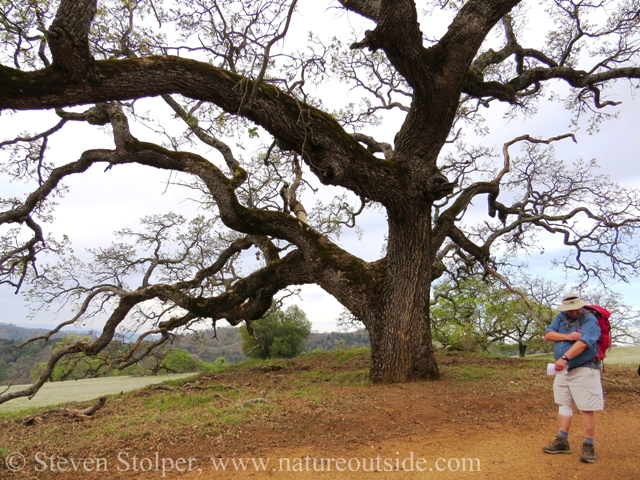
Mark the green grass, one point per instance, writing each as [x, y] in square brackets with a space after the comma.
[342, 356]
[172, 401]
[305, 393]
[474, 372]
[615, 356]
[479, 368]
[623, 355]
[323, 375]
[343, 367]
[312, 395]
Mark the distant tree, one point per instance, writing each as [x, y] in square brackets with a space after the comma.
[37, 370]
[280, 334]
[479, 312]
[76, 366]
[212, 366]
[165, 359]
[179, 361]
[211, 345]
[347, 321]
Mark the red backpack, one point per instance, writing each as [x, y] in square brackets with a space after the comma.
[604, 342]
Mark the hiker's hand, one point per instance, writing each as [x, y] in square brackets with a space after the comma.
[561, 364]
[573, 336]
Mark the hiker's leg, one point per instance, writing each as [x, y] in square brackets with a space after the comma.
[586, 389]
[565, 416]
[562, 396]
[588, 423]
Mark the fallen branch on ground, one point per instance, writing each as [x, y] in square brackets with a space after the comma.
[67, 412]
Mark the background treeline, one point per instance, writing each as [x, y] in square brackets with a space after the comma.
[228, 345]
[197, 351]
[17, 363]
[478, 314]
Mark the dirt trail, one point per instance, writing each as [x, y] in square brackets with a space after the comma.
[471, 452]
[453, 445]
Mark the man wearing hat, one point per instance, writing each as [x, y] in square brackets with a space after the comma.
[575, 332]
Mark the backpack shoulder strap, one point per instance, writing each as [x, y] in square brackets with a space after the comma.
[582, 316]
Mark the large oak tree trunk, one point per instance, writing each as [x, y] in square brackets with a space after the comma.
[401, 347]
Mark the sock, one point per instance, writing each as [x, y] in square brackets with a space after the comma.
[564, 435]
[589, 440]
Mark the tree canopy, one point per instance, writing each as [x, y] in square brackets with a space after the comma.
[279, 334]
[477, 313]
[223, 71]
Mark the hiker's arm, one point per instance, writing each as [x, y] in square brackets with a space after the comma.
[551, 333]
[575, 350]
[554, 336]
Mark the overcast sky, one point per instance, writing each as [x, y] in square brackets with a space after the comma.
[100, 202]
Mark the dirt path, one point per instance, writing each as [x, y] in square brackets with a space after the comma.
[452, 444]
[463, 452]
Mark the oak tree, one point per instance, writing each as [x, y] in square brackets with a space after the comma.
[223, 67]
[279, 334]
[478, 313]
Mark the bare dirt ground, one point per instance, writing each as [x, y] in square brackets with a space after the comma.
[486, 419]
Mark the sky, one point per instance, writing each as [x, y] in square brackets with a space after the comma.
[100, 202]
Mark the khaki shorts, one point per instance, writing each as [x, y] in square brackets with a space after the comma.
[580, 387]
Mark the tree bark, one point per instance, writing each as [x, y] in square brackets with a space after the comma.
[68, 39]
[400, 331]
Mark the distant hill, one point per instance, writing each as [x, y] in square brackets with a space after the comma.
[16, 364]
[210, 344]
[229, 343]
[9, 331]
[14, 332]
[337, 340]
[207, 345]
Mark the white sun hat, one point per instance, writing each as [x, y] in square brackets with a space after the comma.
[571, 301]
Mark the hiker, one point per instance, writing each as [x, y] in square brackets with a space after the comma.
[575, 332]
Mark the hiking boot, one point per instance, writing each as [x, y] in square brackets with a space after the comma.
[588, 453]
[559, 445]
